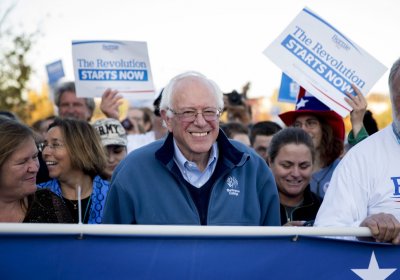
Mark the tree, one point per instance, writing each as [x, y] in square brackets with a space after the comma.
[15, 71]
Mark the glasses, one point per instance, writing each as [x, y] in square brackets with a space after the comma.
[53, 146]
[71, 105]
[309, 123]
[190, 115]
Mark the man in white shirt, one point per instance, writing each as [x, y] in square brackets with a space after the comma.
[365, 187]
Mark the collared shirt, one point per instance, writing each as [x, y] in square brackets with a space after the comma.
[190, 172]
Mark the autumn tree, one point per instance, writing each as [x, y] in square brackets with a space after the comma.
[15, 70]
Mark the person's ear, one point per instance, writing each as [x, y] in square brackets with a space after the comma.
[166, 120]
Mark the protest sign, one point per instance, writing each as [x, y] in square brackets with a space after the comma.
[55, 71]
[288, 90]
[119, 65]
[323, 60]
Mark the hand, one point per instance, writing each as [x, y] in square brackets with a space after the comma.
[110, 102]
[384, 227]
[359, 105]
[294, 224]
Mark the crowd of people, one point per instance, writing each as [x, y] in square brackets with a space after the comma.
[197, 159]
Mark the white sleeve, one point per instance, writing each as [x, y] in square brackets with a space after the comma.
[346, 200]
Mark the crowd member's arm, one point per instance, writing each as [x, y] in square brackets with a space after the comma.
[362, 134]
[110, 103]
[384, 227]
[346, 202]
[359, 105]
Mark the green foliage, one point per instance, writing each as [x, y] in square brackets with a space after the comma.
[15, 70]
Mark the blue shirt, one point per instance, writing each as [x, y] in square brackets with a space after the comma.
[190, 172]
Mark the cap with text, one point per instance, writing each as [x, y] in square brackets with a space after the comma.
[111, 132]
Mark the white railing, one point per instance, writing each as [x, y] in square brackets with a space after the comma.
[168, 230]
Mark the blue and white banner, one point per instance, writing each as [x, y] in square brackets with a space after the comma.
[62, 256]
[324, 61]
[119, 65]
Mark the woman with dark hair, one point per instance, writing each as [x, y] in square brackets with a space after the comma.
[291, 156]
[20, 201]
[327, 131]
[76, 159]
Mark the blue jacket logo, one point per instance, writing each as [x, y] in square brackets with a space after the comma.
[233, 184]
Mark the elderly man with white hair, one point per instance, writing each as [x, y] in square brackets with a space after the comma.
[196, 175]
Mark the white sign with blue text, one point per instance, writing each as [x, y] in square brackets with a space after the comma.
[119, 65]
[324, 61]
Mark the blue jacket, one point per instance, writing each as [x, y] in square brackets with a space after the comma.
[98, 197]
[145, 189]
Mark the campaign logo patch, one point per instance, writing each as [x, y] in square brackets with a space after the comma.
[233, 185]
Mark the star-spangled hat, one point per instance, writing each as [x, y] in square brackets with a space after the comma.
[308, 104]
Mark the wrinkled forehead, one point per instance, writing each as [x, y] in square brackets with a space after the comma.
[192, 82]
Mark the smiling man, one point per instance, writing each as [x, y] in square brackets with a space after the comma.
[71, 106]
[196, 175]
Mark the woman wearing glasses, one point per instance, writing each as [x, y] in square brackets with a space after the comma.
[327, 131]
[20, 201]
[76, 161]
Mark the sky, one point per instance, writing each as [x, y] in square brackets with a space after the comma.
[223, 39]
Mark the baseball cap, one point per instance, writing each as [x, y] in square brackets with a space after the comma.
[111, 132]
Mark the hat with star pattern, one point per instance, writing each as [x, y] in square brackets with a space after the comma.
[308, 104]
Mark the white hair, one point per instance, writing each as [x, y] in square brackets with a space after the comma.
[169, 90]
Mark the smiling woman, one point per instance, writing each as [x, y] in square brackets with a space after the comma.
[19, 199]
[291, 158]
[76, 159]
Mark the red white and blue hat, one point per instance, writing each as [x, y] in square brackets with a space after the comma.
[307, 104]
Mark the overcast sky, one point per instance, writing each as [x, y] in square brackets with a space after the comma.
[223, 39]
